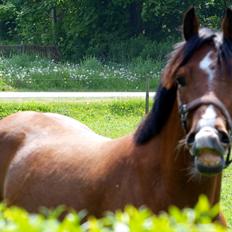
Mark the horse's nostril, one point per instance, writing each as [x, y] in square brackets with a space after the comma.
[224, 137]
[191, 138]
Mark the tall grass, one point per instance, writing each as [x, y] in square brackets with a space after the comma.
[23, 72]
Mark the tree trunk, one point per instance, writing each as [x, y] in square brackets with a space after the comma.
[135, 19]
[53, 17]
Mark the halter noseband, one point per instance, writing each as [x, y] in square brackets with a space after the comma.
[185, 109]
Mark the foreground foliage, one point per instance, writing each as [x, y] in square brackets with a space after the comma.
[132, 219]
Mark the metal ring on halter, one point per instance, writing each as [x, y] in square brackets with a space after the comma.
[185, 109]
[183, 116]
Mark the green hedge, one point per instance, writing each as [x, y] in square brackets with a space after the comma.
[132, 219]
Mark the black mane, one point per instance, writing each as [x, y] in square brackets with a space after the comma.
[157, 117]
[166, 97]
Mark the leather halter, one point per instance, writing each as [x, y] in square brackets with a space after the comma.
[210, 99]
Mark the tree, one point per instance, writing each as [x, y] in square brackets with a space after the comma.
[92, 27]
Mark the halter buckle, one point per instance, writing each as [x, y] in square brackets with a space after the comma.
[228, 160]
[183, 115]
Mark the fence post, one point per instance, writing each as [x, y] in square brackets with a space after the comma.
[147, 95]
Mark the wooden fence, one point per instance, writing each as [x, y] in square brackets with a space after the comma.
[51, 52]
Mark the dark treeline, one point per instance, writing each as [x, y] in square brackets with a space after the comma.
[115, 30]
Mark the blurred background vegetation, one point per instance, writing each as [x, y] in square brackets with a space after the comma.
[115, 30]
[92, 45]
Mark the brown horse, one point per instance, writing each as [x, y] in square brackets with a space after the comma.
[177, 153]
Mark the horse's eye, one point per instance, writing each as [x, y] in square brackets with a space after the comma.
[181, 81]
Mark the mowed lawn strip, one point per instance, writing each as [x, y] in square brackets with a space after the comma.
[111, 118]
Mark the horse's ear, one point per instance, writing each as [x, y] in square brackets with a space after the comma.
[191, 24]
[227, 24]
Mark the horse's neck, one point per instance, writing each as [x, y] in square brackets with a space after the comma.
[166, 163]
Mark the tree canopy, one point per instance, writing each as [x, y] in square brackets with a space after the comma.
[93, 27]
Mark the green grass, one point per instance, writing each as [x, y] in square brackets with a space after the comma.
[226, 195]
[23, 72]
[101, 116]
[112, 118]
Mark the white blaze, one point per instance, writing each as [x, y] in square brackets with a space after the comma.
[205, 65]
[206, 125]
[208, 118]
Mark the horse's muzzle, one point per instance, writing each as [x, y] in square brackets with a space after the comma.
[208, 147]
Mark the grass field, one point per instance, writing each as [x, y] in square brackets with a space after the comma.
[113, 119]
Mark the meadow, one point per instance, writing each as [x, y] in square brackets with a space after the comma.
[112, 118]
[32, 73]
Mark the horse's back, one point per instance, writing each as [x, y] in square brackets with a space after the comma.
[50, 125]
[42, 153]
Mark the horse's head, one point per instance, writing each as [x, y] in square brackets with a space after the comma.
[201, 68]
